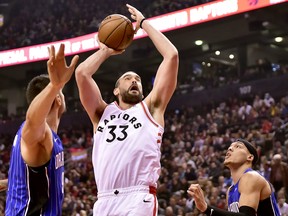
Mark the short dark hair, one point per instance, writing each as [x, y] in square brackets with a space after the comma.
[35, 86]
[117, 83]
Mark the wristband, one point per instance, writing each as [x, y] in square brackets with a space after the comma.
[209, 211]
[141, 22]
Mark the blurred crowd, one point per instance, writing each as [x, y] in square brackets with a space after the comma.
[34, 22]
[193, 149]
[195, 138]
[215, 75]
[196, 141]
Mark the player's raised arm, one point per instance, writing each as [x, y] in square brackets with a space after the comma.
[35, 141]
[89, 91]
[166, 77]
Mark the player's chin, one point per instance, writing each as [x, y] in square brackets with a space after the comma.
[133, 99]
[135, 95]
[226, 162]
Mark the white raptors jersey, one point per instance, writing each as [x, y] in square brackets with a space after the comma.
[126, 149]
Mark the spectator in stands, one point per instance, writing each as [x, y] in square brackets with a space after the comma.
[257, 102]
[23, 27]
[279, 174]
[268, 100]
[265, 168]
[283, 206]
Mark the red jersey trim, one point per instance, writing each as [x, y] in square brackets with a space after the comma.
[148, 116]
[153, 190]
[115, 102]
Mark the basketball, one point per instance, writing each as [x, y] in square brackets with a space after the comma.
[116, 32]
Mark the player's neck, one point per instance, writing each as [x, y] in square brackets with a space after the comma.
[237, 172]
[125, 106]
[53, 122]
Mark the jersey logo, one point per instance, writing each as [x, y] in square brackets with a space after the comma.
[234, 207]
[146, 201]
[59, 160]
[122, 135]
[130, 121]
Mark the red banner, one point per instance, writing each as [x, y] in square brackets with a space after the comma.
[167, 22]
[78, 154]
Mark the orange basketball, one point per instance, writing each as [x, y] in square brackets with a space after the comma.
[116, 31]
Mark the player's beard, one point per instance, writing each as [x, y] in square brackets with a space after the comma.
[131, 98]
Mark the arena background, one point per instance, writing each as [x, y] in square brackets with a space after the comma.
[259, 66]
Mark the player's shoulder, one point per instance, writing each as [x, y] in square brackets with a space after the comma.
[252, 174]
[252, 177]
[108, 107]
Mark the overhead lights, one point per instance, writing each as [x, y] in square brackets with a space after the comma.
[198, 42]
[217, 52]
[278, 39]
[231, 56]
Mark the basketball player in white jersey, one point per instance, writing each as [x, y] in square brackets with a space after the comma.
[128, 133]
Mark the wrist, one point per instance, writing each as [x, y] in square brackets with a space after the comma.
[208, 211]
[55, 86]
[105, 52]
[141, 22]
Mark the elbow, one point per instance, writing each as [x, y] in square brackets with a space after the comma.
[80, 73]
[174, 59]
[173, 55]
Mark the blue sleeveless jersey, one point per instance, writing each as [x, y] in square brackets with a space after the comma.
[267, 207]
[35, 191]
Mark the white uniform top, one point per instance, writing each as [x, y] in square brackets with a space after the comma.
[126, 149]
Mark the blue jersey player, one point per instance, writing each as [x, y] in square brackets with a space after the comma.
[250, 195]
[36, 173]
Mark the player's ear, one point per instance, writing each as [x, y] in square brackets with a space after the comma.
[58, 100]
[251, 157]
[116, 91]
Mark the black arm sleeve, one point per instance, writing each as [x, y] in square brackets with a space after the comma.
[243, 211]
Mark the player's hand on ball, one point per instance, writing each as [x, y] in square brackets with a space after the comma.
[135, 15]
[109, 50]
